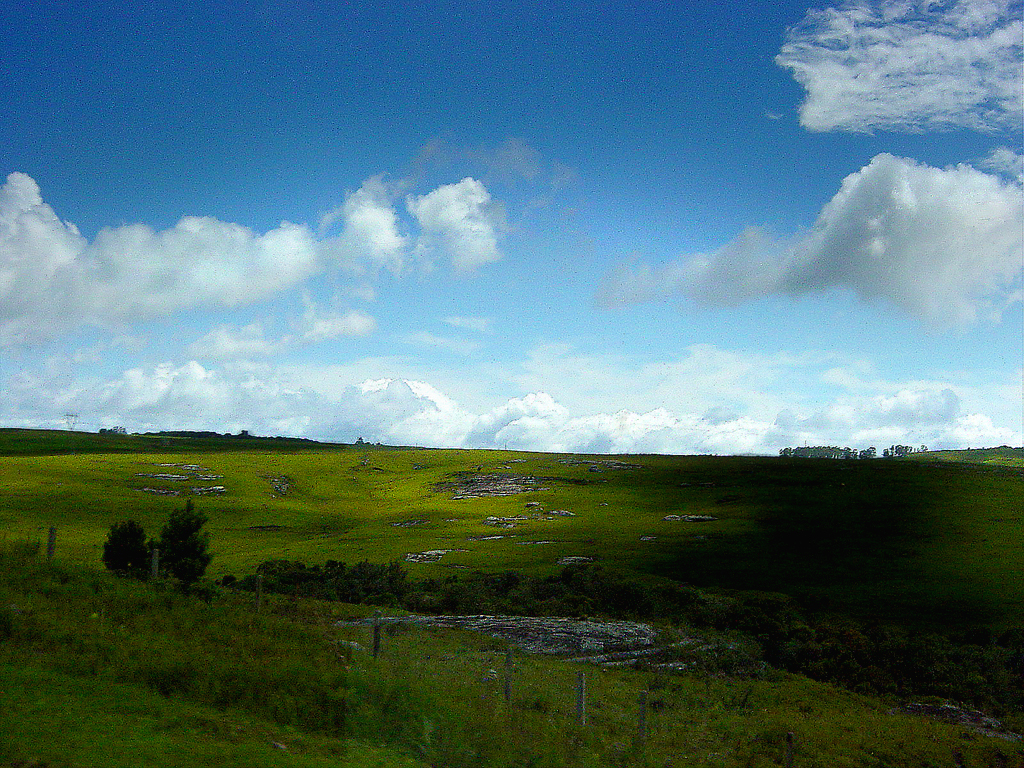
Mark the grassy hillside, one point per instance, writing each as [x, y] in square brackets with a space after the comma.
[1003, 455]
[101, 672]
[938, 543]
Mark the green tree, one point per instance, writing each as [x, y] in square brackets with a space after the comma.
[183, 546]
[125, 549]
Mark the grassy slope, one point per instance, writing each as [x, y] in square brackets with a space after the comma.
[100, 672]
[922, 542]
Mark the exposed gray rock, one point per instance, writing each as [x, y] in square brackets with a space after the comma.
[539, 635]
[474, 486]
[978, 722]
[208, 490]
[430, 556]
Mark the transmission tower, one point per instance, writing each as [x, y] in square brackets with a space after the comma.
[70, 419]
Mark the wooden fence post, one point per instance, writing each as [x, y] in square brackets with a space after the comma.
[259, 590]
[154, 563]
[789, 749]
[376, 634]
[508, 677]
[51, 543]
[581, 699]
[641, 723]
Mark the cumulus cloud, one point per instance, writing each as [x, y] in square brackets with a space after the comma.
[854, 410]
[942, 244]
[908, 66]
[461, 221]
[52, 279]
[370, 227]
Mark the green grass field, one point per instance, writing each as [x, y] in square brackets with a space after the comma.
[920, 542]
[100, 671]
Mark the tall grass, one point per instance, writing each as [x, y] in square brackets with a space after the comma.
[430, 696]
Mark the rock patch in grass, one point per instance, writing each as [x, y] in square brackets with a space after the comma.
[475, 486]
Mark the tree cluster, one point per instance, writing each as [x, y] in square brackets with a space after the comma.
[835, 452]
[183, 547]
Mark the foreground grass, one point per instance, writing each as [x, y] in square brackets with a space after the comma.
[96, 671]
[60, 720]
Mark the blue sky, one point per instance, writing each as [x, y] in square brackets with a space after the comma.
[603, 227]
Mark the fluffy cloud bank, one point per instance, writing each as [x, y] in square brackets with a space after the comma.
[413, 412]
[908, 66]
[52, 279]
[942, 244]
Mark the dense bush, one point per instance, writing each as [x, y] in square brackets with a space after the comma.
[125, 549]
[183, 546]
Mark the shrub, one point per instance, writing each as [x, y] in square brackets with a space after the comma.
[183, 547]
[125, 550]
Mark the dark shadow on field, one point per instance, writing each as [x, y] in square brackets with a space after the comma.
[843, 536]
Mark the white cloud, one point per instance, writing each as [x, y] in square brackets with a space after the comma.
[52, 279]
[942, 244]
[461, 220]
[316, 326]
[856, 408]
[1004, 160]
[228, 342]
[908, 66]
[370, 231]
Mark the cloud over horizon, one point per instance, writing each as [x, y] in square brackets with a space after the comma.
[944, 245]
[271, 400]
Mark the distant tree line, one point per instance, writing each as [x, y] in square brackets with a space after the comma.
[835, 452]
